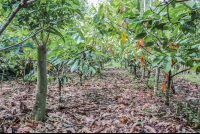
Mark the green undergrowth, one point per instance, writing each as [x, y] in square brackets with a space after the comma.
[193, 78]
[113, 65]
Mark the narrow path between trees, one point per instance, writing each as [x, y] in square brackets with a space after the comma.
[116, 103]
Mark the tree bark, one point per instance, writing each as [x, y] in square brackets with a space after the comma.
[39, 107]
[156, 80]
[198, 115]
[2, 80]
[81, 79]
[60, 86]
[173, 87]
[135, 71]
[167, 91]
[143, 72]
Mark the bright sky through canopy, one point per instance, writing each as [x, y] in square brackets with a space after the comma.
[93, 2]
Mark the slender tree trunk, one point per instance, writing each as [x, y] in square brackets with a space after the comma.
[2, 80]
[149, 73]
[143, 72]
[156, 80]
[60, 86]
[81, 79]
[39, 107]
[198, 114]
[167, 91]
[172, 86]
[135, 71]
[24, 74]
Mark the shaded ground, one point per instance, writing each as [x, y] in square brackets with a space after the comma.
[116, 103]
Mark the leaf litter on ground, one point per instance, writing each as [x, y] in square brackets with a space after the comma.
[115, 104]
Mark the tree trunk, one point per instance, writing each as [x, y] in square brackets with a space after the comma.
[60, 86]
[81, 80]
[135, 71]
[168, 88]
[39, 107]
[198, 114]
[156, 80]
[149, 73]
[2, 81]
[173, 87]
[24, 74]
[143, 73]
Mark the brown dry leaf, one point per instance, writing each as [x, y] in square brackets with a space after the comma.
[169, 127]
[86, 130]
[25, 130]
[99, 130]
[39, 126]
[174, 130]
[150, 129]
[133, 129]
[123, 120]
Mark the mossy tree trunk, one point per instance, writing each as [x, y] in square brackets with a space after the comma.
[168, 89]
[39, 107]
[156, 80]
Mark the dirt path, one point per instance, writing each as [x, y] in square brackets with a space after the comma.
[116, 103]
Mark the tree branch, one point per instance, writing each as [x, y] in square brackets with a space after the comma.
[35, 34]
[180, 72]
[162, 8]
[13, 14]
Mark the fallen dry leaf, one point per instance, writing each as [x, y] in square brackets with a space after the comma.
[150, 129]
[25, 130]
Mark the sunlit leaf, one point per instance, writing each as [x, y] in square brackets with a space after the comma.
[124, 37]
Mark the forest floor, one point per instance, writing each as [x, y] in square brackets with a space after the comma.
[116, 103]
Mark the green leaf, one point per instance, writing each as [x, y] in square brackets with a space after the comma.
[138, 5]
[165, 43]
[167, 64]
[176, 30]
[85, 69]
[147, 39]
[79, 12]
[28, 45]
[92, 69]
[157, 49]
[81, 34]
[179, 59]
[140, 36]
[147, 13]
[74, 36]
[157, 60]
[195, 67]
[56, 32]
[173, 4]
[149, 44]
[100, 53]
[190, 3]
[75, 66]
[76, 2]
[119, 18]
[133, 25]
